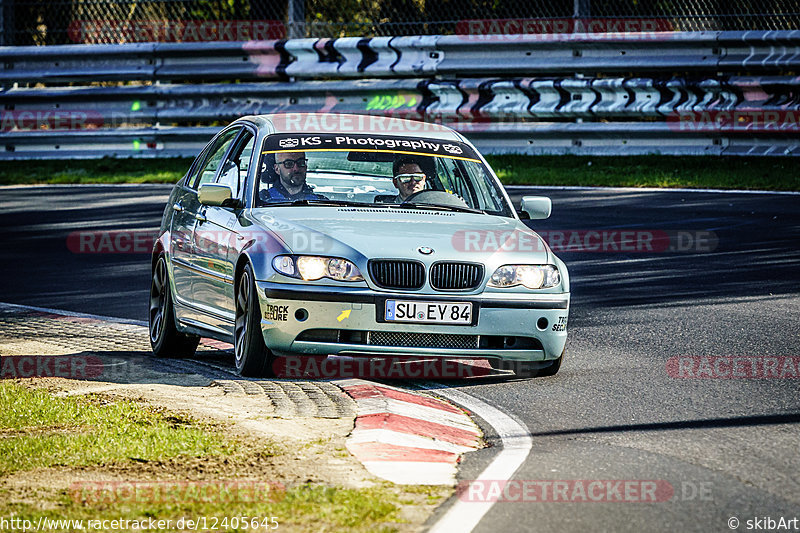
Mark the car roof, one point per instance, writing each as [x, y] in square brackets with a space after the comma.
[351, 123]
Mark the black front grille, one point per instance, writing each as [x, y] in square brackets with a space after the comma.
[397, 274]
[422, 340]
[447, 276]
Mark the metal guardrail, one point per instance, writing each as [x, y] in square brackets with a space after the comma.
[381, 57]
[143, 62]
[93, 144]
[621, 52]
[462, 102]
[578, 94]
[596, 139]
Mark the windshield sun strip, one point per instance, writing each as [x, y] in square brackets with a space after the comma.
[374, 151]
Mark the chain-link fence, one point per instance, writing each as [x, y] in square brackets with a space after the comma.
[43, 22]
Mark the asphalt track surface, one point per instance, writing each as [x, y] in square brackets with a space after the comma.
[726, 447]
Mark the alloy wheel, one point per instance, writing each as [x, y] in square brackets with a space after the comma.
[158, 301]
[242, 309]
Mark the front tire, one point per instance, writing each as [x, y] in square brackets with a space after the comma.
[253, 358]
[553, 369]
[533, 369]
[165, 339]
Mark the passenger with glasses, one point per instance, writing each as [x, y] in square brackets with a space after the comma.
[290, 168]
[408, 178]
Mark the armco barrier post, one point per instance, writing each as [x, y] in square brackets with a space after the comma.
[3, 37]
[296, 19]
[581, 10]
[7, 23]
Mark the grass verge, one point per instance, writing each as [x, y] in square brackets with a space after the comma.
[94, 171]
[303, 508]
[759, 173]
[48, 444]
[39, 430]
[765, 173]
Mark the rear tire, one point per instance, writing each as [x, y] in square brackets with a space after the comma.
[165, 339]
[253, 358]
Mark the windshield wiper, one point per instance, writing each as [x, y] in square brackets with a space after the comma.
[322, 202]
[461, 209]
[405, 205]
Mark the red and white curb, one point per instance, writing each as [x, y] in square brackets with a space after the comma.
[407, 437]
[384, 435]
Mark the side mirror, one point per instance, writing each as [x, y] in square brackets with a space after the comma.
[217, 194]
[537, 207]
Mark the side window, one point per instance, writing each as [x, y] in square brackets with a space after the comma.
[196, 164]
[235, 167]
[209, 169]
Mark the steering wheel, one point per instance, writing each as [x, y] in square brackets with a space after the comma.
[432, 197]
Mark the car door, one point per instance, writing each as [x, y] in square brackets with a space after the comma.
[188, 271]
[182, 224]
[215, 235]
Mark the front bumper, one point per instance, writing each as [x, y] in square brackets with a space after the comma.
[507, 327]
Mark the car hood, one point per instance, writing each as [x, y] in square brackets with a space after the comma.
[400, 233]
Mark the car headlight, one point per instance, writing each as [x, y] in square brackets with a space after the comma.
[530, 276]
[313, 267]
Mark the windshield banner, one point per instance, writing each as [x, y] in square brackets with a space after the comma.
[298, 142]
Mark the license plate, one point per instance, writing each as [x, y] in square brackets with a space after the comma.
[429, 312]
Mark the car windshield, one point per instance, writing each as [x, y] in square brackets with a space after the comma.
[298, 169]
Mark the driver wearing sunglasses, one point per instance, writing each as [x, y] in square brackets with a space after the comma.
[291, 183]
[408, 178]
